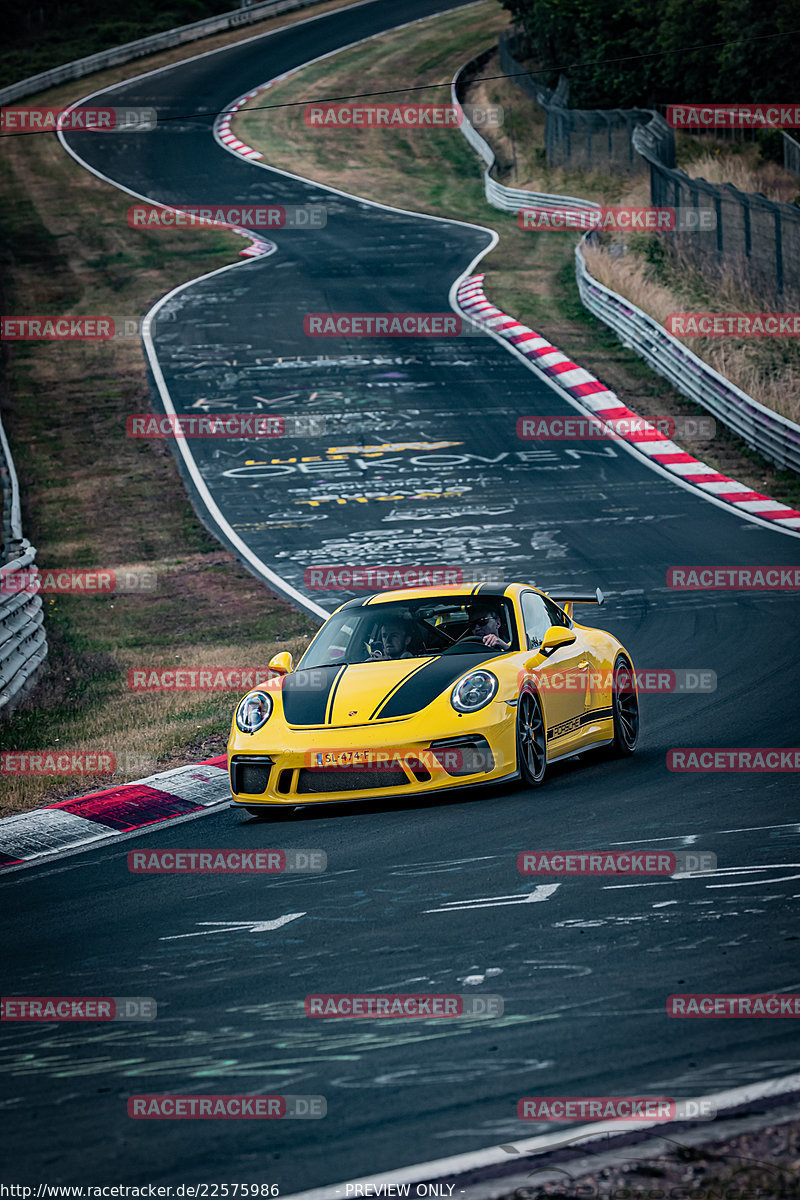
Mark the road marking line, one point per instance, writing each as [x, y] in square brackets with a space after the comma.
[543, 892]
[236, 927]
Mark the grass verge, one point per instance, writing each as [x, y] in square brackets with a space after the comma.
[93, 497]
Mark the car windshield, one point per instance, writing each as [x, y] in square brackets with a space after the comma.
[415, 629]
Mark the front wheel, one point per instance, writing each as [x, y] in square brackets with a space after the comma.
[625, 703]
[531, 739]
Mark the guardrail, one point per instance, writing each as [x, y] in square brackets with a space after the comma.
[233, 19]
[791, 153]
[507, 199]
[772, 435]
[23, 644]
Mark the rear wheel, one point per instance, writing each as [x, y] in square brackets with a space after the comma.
[531, 739]
[625, 703]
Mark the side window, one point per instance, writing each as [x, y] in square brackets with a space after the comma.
[536, 617]
[556, 614]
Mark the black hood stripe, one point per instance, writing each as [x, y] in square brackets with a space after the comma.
[396, 688]
[419, 689]
[307, 705]
[332, 697]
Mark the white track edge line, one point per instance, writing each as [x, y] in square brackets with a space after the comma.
[458, 1164]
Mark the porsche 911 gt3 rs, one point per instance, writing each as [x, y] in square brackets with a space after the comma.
[429, 689]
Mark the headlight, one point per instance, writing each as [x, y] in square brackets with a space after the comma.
[474, 691]
[253, 712]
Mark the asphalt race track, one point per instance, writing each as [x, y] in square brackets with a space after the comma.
[422, 896]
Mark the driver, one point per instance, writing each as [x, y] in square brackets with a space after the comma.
[395, 636]
[485, 624]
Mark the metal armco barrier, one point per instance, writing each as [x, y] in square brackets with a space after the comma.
[791, 153]
[235, 19]
[774, 436]
[507, 199]
[23, 644]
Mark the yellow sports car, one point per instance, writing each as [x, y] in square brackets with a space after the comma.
[429, 689]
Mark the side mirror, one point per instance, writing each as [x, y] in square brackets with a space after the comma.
[557, 635]
[282, 663]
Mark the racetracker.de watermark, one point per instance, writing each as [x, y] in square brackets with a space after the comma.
[737, 1004]
[226, 862]
[455, 760]
[733, 324]
[243, 216]
[613, 1108]
[223, 425]
[75, 762]
[614, 862]
[733, 116]
[632, 428]
[55, 581]
[717, 760]
[226, 1108]
[78, 1008]
[652, 681]
[337, 577]
[402, 1005]
[198, 679]
[613, 218]
[393, 325]
[737, 579]
[38, 119]
[95, 328]
[400, 116]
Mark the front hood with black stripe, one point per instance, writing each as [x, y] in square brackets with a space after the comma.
[362, 693]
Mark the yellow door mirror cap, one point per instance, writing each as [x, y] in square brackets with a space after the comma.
[282, 663]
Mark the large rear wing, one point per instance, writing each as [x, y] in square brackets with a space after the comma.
[566, 597]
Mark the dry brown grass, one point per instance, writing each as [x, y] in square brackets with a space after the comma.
[144, 731]
[747, 172]
[519, 146]
[768, 369]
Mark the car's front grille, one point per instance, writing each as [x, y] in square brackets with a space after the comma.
[285, 782]
[312, 780]
[464, 756]
[250, 776]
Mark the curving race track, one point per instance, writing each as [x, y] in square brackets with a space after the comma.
[416, 897]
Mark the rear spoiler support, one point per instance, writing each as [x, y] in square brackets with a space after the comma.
[566, 598]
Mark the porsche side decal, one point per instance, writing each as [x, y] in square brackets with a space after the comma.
[575, 723]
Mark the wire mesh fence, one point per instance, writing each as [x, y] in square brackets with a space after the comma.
[581, 139]
[747, 235]
[755, 239]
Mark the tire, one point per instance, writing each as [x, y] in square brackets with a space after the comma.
[626, 711]
[531, 740]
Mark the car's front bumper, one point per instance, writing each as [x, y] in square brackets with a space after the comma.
[395, 767]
